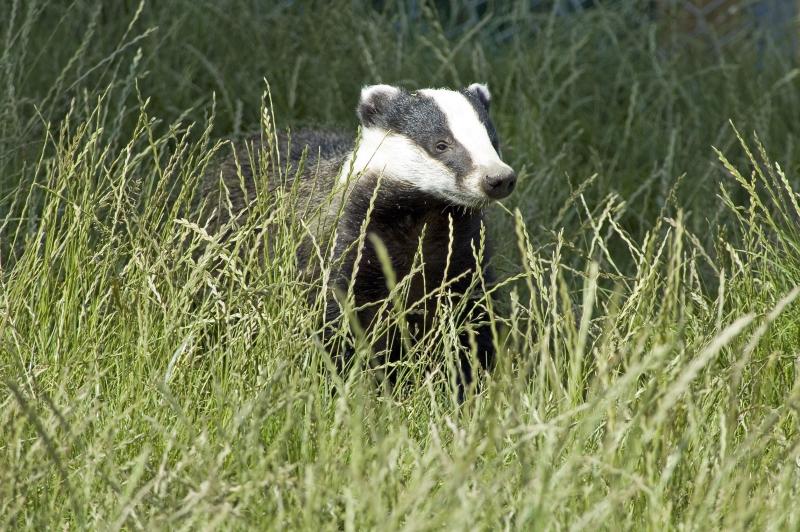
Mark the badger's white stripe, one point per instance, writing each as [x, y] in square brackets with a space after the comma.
[466, 126]
[399, 158]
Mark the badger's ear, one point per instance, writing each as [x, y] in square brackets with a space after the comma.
[481, 92]
[373, 103]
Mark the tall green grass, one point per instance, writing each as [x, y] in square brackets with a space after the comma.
[156, 376]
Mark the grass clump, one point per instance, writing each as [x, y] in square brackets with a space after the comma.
[647, 316]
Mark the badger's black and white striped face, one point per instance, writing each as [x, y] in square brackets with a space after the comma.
[439, 141]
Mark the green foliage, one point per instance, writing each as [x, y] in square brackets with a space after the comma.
[155, 376]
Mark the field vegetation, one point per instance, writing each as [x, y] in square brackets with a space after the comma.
[648, 264]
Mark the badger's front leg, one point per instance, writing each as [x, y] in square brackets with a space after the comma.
[339, 347]
[477, 347]
[386, 346]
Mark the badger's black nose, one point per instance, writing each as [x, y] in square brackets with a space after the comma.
[499, 186]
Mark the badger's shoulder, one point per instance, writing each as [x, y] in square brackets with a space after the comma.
[260, 164]
[284, 152]
[330, 145]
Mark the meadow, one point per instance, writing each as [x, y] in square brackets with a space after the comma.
[645, 315]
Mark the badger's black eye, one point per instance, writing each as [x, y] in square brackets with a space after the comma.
[441, 146]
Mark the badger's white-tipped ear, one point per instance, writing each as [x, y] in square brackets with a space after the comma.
[373, 103]
[481, 92]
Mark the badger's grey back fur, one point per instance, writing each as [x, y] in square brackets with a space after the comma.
[423, 184]
[232, 186]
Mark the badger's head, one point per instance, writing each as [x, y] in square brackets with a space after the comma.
[438, 141]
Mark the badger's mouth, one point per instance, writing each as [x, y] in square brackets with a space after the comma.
[468, 201]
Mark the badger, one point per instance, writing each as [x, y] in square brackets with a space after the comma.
[417, 178]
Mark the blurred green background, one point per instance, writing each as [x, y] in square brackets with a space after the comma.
[635, 92]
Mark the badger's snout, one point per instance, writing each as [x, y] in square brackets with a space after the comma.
[498, 185]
